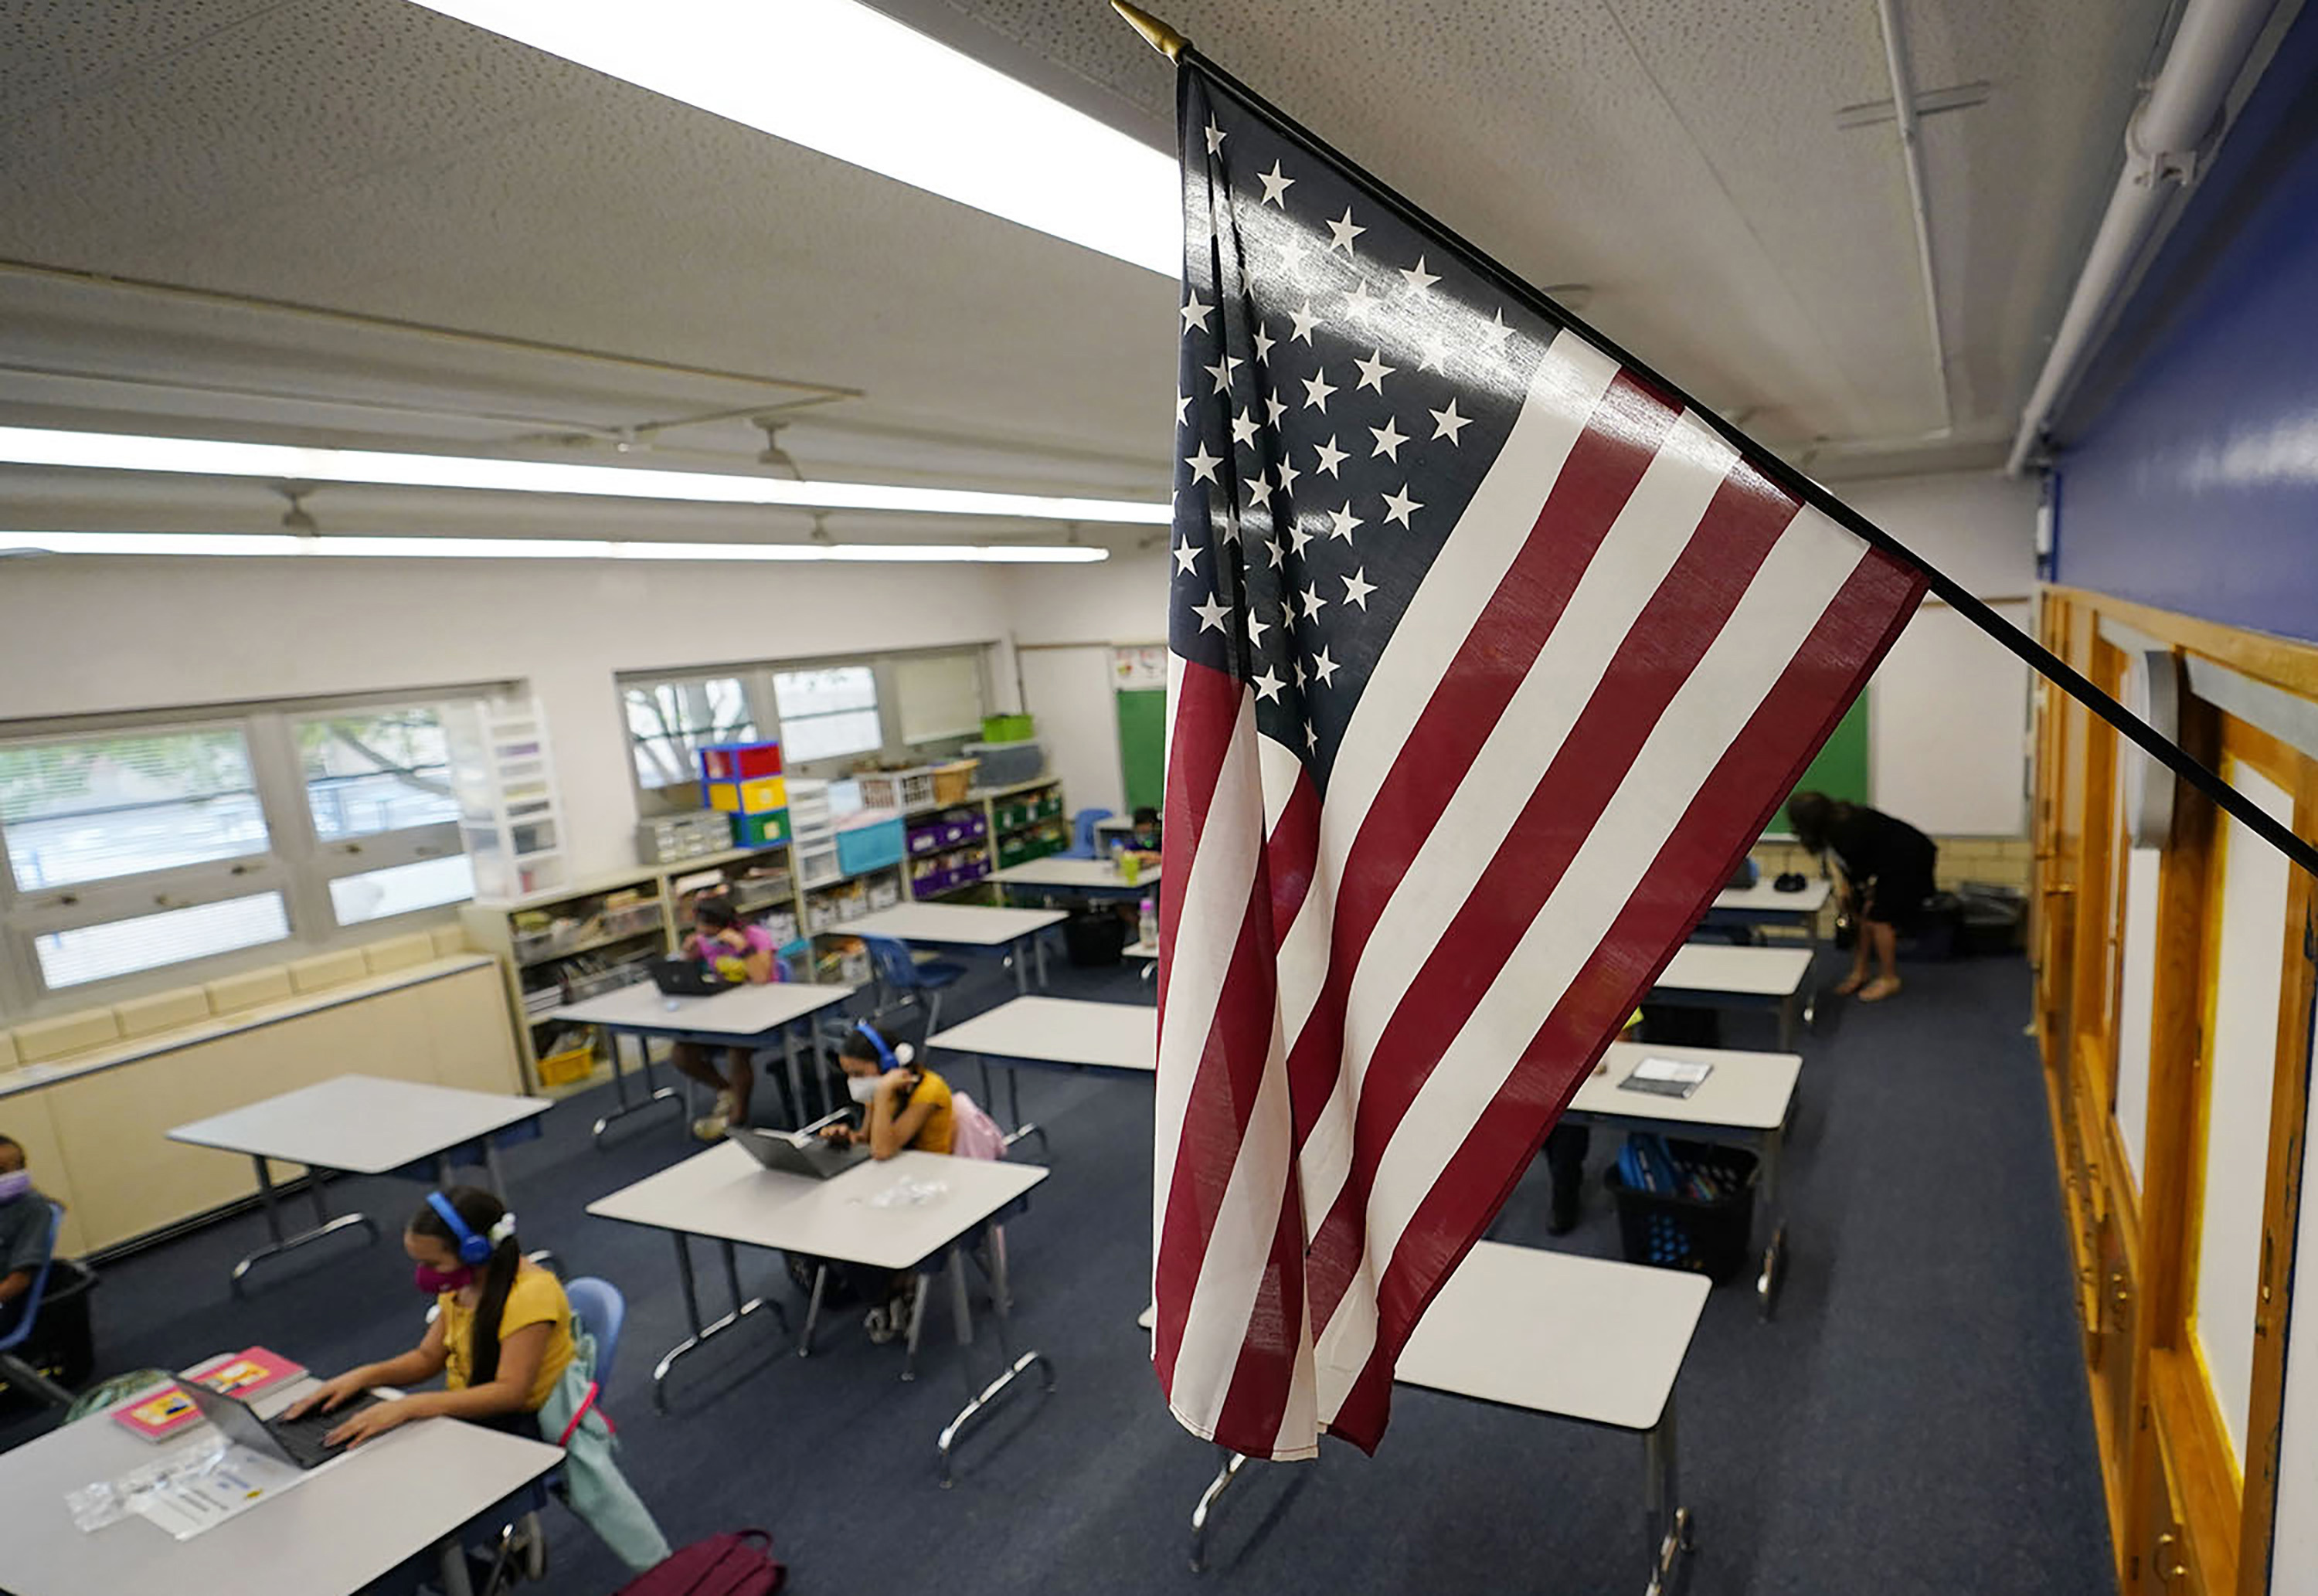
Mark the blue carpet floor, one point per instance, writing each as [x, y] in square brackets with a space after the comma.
[1913, 1421]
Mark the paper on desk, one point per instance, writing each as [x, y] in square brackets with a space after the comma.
[186, 1491]
[235, 1480]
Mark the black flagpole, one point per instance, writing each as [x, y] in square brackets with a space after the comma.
[2037, 657]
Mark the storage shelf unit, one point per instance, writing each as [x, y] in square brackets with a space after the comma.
[953, 846]
[615, 925]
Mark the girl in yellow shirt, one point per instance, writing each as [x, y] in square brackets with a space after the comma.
[501, 1340]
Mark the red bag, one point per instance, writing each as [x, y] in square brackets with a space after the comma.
[737, 1563]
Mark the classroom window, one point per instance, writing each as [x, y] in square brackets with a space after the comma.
[827, 711]
[669, 721]
[375, 771]
[95, 809]
[152, 941]
[143, 846]
[939, 696]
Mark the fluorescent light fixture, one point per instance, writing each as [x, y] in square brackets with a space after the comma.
[278, 545]
[843, 79]
[128, 451]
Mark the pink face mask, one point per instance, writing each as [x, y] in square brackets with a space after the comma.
[434, 1282]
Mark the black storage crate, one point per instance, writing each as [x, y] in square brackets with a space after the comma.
[1669, 1230]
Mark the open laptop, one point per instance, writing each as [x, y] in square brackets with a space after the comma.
[295, 1441]
[687, 978]
[796, 1154]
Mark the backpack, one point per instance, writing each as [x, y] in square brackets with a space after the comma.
[738, 1562]
[973, 1133]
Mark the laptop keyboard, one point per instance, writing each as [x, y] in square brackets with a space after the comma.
[301, 1436]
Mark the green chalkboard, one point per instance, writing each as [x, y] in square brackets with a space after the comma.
[1143, 745]
[1840, 770]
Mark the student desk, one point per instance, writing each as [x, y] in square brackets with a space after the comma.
[1707, 975]
[747, 1017]
[967, 928]
[1746, 1101]
[1763, 904]
[1595, 1340]
[360, 1124]
[1055, 1033]
[324, 1536]
[725, 1195]
[1084, 878]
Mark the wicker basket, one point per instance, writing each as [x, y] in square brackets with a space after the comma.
[954, 782]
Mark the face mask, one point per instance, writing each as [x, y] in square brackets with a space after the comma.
[14, 1184]
[434, 1282]
[862, 1087]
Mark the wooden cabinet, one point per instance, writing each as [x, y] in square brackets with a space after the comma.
[98, 1140]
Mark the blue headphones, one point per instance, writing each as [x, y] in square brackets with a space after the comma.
[474, 1249]
[891, 1058]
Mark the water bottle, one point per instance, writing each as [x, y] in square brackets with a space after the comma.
[1147, 922]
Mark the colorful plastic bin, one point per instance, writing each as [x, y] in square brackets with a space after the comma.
[740, 761]
[757, 796]
[761, 830]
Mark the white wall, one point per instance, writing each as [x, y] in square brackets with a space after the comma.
[1947, 712]
[1947, 744]
[1067, 619]
[86, 636]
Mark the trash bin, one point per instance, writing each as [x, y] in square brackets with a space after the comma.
[63, 1342]
[1707, 1227]
[1095, 936]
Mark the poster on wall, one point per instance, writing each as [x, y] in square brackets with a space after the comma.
[1138, 670]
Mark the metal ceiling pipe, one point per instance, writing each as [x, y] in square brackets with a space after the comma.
[2176, 122]
[1911, 154]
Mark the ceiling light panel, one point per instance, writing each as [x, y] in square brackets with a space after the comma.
[125, 452]
[844, 80]
[285, 546]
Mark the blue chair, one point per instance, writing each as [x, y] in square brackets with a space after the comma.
[1082, 825]
[899, 972]
[599, 1309]
[28, 1313]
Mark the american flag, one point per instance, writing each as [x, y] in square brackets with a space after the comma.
[1489, 662]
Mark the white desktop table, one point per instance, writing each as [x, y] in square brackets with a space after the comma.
[1708, 976]
[1746, 1101]
[749, 1017]
[360, 1124]
[725, 1195]
[324, 1536]
[1763, 904]
[967, 928]
[1085, 878]
[1055, 1033]
[1593, 1340]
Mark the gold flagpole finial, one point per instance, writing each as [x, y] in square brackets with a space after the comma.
[1157, 34]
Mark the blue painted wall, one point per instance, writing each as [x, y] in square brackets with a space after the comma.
[2188, 474]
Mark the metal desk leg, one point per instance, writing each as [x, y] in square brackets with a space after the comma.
[796, 1070]
[1666, 1521]
[812, 1310]
[323, 1226]
[1014, 1113]
[1775, 1252]
[653, 1096]
[1021, 962]
[701, 1332]
[922, 1289]
[491, 1167]
[1038, 952]
[1207, 1507]
[1787, 1023]
[451, 1566]
[979, 1401]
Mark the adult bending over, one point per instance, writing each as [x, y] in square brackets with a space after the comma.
[1887, 875]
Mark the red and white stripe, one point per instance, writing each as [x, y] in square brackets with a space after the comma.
[1372, 1010]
